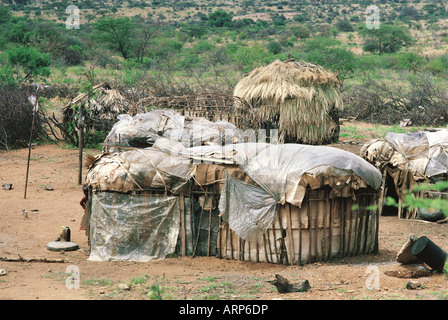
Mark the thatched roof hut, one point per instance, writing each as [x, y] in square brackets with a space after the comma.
[300, 96]
[100, 111]
[104, 105]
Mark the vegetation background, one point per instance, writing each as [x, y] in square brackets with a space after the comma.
[166, 47]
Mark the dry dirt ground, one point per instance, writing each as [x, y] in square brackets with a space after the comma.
[197, 278]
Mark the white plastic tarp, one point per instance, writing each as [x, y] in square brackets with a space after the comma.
[142, 130]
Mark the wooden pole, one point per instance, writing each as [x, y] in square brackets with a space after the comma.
[81, 143]
[182, 218]
[31, 138]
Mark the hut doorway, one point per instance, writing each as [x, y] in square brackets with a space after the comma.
[390, 191]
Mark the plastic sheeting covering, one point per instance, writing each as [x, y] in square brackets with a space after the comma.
[276, 169]
[138, 227]
[143, 130]
[142, 168]
[249, 209]
[424, 153]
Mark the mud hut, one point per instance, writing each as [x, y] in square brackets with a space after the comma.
[299, 99]
[407, 160]
[276, 203]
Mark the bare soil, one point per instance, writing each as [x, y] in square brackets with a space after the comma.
[177, 277]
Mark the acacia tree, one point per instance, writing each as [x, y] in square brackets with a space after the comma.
[118, 33]
[388, 38]
[146, 30]
[220, 18]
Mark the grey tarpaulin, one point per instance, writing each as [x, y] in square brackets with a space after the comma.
[248, 209]
[133, 227]
[430, 146]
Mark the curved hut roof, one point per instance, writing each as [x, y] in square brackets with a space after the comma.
[300, 94]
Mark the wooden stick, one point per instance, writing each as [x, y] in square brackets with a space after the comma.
[283, 250]
[20, 259]
[199, 232]
[209, 231]
[183, 230]
[275, 241]
[289, 235]
[330, 230]
[31, 139]
[349, 209]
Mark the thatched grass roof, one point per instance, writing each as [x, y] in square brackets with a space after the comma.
[300, 94]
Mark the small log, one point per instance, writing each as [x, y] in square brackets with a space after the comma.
[20, 259]
[284, 286]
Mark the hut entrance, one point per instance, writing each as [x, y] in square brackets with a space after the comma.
[390, 191]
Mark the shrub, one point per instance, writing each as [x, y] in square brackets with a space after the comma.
[419, 99]
[344, 26]
[220, 18]
[33, 62]
[274, 47]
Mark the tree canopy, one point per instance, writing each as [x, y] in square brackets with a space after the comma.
[388, 38]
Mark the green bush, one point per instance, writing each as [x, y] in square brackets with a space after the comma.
[220, 18]
[437, 65]
[274, 47]
[33, 62]
[203, 46]
[344, 26]
[301, 31]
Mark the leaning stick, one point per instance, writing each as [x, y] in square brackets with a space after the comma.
[31, 138]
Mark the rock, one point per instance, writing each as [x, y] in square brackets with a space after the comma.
[408, 271]
[49, 187]
[283, 286]
[62, 246]
[413, 284]
[7, 186]
[430, 215]
[124, 286]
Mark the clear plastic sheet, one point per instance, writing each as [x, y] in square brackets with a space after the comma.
[133, 227]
